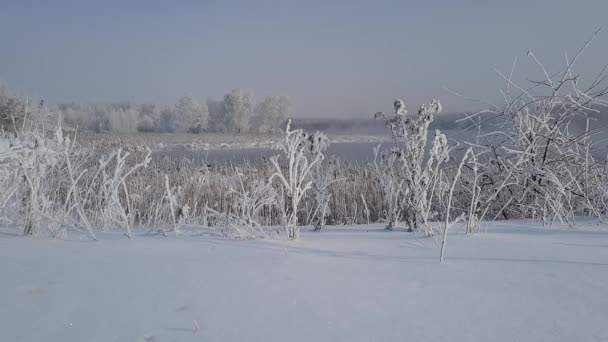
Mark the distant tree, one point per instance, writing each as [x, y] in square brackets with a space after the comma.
[190, 116]
[237, 109]
[146, 124]
[149, 118]
[100, 120]
[121, 106]
[168, 120]
[73, 115]
[123, 120]
[271, 113]
[216, 115]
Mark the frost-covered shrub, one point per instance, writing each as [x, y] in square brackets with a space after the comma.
[530, 161]
[294, 178]
[412, 173]
[39, 192]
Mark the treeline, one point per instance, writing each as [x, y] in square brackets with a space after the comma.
[236, 112]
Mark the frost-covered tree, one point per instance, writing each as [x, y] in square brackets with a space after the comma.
[271, 113]
[123, 120]
[167, 122]
[115, 117]
[190, 115]
[100, 120]
[237, 109]
[149, 118]
[215, 122]
[72, 115]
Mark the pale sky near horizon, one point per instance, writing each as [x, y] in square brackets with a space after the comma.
[332, 58]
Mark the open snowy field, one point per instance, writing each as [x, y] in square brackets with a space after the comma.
[513, 283]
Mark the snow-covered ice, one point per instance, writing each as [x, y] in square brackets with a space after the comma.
[361, 283]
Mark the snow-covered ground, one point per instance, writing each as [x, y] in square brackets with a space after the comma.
[513, 283]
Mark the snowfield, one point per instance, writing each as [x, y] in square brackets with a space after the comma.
[358, 283]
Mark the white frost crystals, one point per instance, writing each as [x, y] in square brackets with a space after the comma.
[28, 161]
[411, 175]
[48, 186]
[294, 178]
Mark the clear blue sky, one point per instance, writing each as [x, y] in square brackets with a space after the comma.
[333, 58]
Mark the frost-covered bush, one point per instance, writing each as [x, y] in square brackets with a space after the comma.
[529, 160]
[38, 185]
[412, 171]
[49, 184]
[294, 178]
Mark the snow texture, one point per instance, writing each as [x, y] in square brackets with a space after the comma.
[359, 283]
